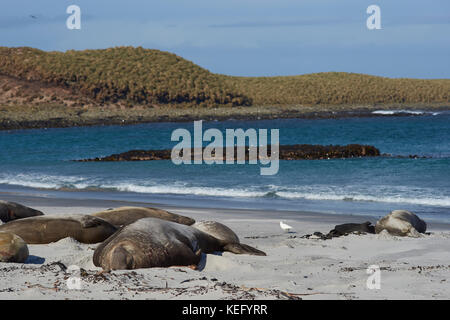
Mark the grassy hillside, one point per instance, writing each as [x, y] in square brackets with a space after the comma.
[129, 74]
[141, 76]
[340, 88]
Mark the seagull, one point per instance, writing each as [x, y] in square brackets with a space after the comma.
[285, 227]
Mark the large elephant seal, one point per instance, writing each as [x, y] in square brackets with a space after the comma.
[152, 242]
[12, 248]
[10, 211]
[401, 223]
[47, 229]
[127, 215]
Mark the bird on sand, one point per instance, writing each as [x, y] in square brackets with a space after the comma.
[285, 226]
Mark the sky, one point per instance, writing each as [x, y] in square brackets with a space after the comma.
[249, 37]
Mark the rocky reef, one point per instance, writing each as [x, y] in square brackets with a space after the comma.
[286, 152]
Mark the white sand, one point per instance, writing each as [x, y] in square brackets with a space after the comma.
[411, 268]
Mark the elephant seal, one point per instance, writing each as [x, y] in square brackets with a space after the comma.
[346, 228]
[12, 248]
[152, 242]
[126, 215]
[10, 211]
[47, 229]
[401, 223]
[217, 230]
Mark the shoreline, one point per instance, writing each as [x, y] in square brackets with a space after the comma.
[294, 267]
[17, 118]
[198, 212]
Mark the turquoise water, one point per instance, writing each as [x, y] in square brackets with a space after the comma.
[39, 162]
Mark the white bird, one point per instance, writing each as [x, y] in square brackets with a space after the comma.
[285, 226]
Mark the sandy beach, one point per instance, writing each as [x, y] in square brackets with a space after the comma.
[295, 267]
[214, 154]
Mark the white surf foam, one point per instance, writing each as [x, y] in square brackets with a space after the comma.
[39, 181]
[413, 112]
[198, 191]
[442, 202]
[398, 194]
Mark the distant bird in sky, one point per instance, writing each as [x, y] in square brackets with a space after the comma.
[285, 226]
[33, 16]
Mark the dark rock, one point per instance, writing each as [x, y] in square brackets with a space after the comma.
[286, 152]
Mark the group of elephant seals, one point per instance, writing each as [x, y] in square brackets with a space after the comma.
[127, 215]
[401, 223]
[12, 248]
[10, 211]
[152, 242]
[398, 223]
[47, 229]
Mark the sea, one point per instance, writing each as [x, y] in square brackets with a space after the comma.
[39, 162]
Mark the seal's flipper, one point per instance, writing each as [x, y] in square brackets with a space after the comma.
[240, 248]
[414, 233]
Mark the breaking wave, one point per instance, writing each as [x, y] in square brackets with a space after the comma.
[412, 112]
[399, 194]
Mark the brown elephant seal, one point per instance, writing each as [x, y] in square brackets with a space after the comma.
[127, 215]
[12, 248]
[10, 211]
[401, 223]
[47, 229]
[217, 230]
[152, 242]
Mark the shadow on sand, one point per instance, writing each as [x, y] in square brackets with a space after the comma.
[34, 260]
